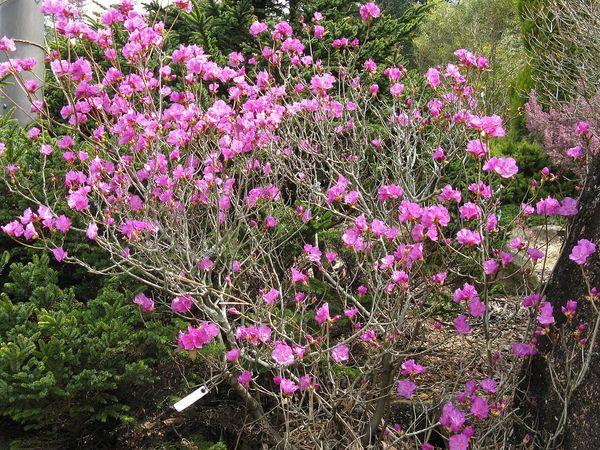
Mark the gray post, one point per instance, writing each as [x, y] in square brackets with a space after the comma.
[21, 19]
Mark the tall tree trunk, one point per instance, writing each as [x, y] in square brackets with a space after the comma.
[577, 420]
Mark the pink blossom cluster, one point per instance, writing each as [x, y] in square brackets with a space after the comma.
[197, 337]
[260, 197]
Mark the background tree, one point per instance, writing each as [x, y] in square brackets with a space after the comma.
[490, 27]
[563, 43]
[561, 382]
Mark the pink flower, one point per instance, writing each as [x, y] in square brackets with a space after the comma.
[582, 251]
[490, 125]
[575, 152]
[350, 313]
[439, 278]
[14, 228]
[306, 382]
[206, 264]
[482, 62]
[433, 77]
[369, 11]
[468, 237]
[476, 308]
[469, 211]
[197, 337]
[491, 223]
[322, 314]
[313, 253]
[370, 65]
[30, 232]
[59, 253]
[490, 267]
[452, 418]
[546, 316]
[181, 304]
[522, 349]
[255, 334]
[582, 128]
[271, 296]
[489, 386]
[270, 222]
[458, 442]
[284, 28]
[480, 408]
[409, 367]
[34, 133]
[65, 142]
[7, 45]
[283, 354]
[31, 85]
[146, 304]
[77, 200]
[528, 210]
[397, 89]
[288, 387]
[532, 300]
[297, 276]
[245, 378]
[505, 167]
[322, 83]
[466, 293]
[257, 28]
[233, 355]
[569, 309]
[319, 31]
[435, 107]
[462, 324]
[406, 388]
[568, 207]
[133, 229]
[477, 148]
[62, 223]
[340, 353]
[184, 5]
[548, 206]
[438, 154]
[369, 336]
[92, 231]
[449, 193]
[535, 253]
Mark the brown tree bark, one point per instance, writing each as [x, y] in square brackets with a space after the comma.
[541, 407]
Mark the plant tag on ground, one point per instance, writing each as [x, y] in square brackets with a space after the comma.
[190, 399]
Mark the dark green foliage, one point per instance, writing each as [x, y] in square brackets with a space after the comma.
[221, 27]
[518, 93]
[67, 367]
[531, 159]
[389, 37]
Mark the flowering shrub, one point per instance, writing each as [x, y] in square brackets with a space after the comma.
[298, 212]
[554, 129]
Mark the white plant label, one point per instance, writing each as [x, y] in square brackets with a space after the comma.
[191, 399]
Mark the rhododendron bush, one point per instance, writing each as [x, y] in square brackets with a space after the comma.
[307, 218]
